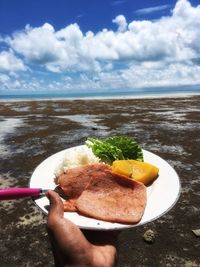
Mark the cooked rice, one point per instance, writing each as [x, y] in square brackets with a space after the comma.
[78, 156]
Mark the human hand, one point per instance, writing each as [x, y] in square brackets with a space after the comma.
[72, 247]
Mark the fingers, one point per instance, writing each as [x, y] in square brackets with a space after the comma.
[108, 254]
[68, 242]
[56, 209]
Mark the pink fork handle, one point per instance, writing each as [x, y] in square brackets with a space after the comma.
[14, 193]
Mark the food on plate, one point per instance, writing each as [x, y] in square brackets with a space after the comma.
[115, 148]
[76, 157]
[140, 171]
[75, 180]
[114, 198]
[106, 179]
[95, 191]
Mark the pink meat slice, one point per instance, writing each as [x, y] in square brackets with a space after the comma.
[114, 198]
[74, 181]
[95, 191]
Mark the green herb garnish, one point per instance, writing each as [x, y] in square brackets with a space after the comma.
[115, 148]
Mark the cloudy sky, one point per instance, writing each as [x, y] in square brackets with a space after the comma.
[75, 45]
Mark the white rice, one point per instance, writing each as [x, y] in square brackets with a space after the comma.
[76, 157]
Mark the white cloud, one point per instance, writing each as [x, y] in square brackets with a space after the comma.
[120, 20]
[150, 10]
[137, 54]
[4, 78]
[37, 45]
[7, 83]
[9, 62]
[170, 38]
[176, 74]
[118, 2]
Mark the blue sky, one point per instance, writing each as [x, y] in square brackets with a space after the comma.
[67, 46]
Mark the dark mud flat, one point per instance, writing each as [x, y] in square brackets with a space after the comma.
[30, 131]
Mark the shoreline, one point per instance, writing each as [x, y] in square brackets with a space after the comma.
[114, 97]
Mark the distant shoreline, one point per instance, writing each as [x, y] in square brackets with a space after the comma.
[114, 97]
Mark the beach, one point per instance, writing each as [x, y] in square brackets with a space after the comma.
[31, 131]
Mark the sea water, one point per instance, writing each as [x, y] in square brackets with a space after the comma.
[140, 93]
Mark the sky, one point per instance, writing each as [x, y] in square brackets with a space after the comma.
[93, 46]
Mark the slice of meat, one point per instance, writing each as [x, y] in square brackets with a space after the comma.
[70, 205]
[75, 180]
[114, 198]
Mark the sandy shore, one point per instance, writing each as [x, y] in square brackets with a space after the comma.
[30, 131]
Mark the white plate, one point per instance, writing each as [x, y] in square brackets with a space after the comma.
[161, 195]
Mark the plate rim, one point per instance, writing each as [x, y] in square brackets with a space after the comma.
[119, 226]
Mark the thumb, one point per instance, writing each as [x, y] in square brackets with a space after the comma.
[56, 209]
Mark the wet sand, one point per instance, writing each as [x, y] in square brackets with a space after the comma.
[30, 131]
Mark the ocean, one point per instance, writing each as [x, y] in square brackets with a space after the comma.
[139, 93]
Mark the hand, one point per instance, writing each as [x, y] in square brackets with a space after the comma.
[70, 246]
